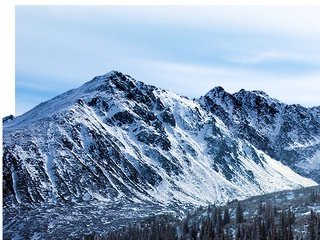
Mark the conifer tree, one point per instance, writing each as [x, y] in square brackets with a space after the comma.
[239, 214]
[226, 216]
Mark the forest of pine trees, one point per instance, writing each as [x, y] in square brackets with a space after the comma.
[224, 223]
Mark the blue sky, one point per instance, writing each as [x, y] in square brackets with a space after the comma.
[188, 50]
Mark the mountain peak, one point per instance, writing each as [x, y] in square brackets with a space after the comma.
[216, 91]
[114, 73]
[244, 92]
[109, 83]
[217, 94]
[255, 95]
[112, 78]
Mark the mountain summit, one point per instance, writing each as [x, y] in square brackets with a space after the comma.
[115, 138]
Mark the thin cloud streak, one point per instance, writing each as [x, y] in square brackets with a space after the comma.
[271, 55]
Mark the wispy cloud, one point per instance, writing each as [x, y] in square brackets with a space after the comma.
[185, 49]
[270, 56]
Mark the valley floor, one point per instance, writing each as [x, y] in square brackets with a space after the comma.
[117, 220]
[73, 221]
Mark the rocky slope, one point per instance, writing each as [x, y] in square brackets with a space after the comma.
[288, 133]
[115, 138]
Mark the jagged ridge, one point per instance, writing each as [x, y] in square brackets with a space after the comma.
[288, 133]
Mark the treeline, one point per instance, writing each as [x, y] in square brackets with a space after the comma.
[268, 223]
[230, 222]
[314, 226]
[153, 228]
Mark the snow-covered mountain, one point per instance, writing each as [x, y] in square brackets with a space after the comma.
[116, 138]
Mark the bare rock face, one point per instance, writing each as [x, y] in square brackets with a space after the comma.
[115, 138]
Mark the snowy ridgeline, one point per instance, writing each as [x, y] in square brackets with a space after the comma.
[117, 139]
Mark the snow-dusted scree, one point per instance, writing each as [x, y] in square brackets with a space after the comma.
[115, 138]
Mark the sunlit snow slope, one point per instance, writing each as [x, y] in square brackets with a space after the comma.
[116, 138]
